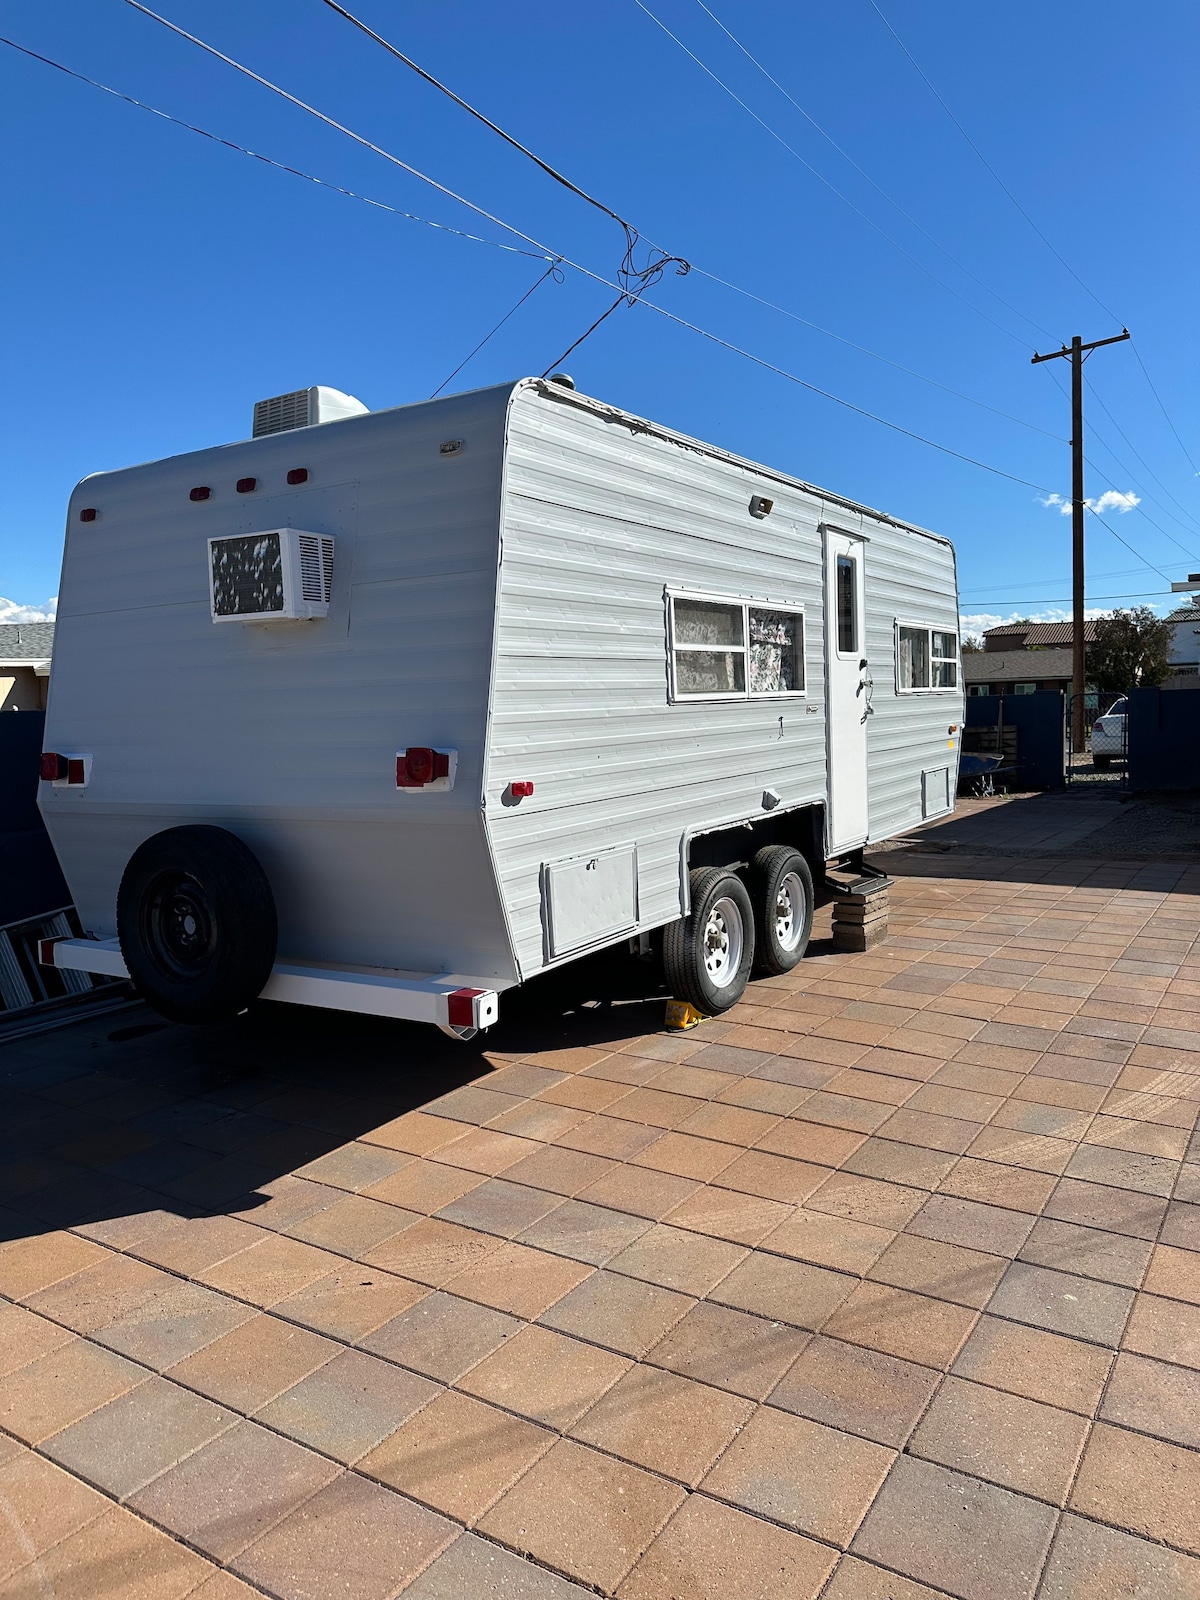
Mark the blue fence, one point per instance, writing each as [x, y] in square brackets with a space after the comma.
[1040, 722]
[1164, 739]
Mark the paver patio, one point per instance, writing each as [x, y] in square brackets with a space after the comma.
[885, 1285]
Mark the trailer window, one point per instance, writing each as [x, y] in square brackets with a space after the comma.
[710, 648]
[847, 609]
[926, 658]
[730, 649]
[776, 652]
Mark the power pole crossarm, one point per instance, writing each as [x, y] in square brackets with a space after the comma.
[1076, 353]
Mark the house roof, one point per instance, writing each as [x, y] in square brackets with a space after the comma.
[1041, 633]
[1185, 614]
[25, 644]
[1022, 666]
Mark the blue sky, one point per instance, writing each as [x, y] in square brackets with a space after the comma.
[155, 284]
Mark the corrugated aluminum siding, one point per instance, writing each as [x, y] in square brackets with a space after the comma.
[287, 732]
[910, 578]
[600, 517]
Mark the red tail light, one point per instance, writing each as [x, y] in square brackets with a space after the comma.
[419, 765]
[52, 767]
[521, 790]
[460, 1008]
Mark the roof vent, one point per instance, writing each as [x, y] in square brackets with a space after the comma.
[564, 380]
[304, 408]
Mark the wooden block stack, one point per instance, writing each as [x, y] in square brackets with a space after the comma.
[860, 917]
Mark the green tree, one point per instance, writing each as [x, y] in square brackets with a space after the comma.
[972, 645]
[1130, 650]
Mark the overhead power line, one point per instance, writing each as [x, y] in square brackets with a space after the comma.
[987, 164]
[1059, 600]
[540, 253]
[1050, 246]
[1112, 484]
[1187, 453]
[865, 175]
[1190, 525]
[633, 233]
[471, 110]
[269, 161]
[550, 272]
[587, 272]
[1052, 583]
[820, 176]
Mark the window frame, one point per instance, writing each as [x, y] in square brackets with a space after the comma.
[853, 559]
[746, 604]
[929, 629]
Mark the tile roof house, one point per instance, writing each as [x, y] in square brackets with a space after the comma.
[25, 651]
[1016, 671]
[1035, 635]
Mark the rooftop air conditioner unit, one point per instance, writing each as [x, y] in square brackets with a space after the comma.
[304, 408]
[283, 575]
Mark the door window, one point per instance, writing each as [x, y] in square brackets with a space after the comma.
[847, 605]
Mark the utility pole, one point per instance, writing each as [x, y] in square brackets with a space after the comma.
[1077, 354]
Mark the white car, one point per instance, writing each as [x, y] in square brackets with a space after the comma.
[1109, 734]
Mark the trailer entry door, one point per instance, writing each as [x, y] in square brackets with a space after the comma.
[848, 680]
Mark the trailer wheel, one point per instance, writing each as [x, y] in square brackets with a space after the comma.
[782, 890]
[196, 922]
[708, 954]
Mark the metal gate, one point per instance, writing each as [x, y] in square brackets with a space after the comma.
[1103, 756]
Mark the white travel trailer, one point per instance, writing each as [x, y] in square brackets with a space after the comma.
[391, 712]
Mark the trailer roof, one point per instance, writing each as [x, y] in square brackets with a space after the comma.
[636, 424]
[602, 408]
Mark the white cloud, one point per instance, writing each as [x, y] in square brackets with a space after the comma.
[977, 622]
[1110, 500]
[1114, 500]
[11, 611]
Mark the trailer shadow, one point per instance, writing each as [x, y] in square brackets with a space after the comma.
[109, 1118]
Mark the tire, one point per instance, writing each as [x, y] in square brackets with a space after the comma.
[196, 922]
[707, 955]
[781, 888]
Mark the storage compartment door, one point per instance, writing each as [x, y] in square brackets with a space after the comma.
[935, 792]
[589, 900]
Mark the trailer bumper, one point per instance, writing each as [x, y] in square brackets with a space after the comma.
[452, 1002]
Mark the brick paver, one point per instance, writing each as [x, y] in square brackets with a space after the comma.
[884, 1286]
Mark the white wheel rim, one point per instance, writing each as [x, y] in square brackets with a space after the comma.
[789, 911]
[724, 940]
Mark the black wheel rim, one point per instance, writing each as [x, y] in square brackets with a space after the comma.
[179, 926]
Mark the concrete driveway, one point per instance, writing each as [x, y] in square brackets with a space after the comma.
[885, 1286]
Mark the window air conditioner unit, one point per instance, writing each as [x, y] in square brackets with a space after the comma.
[282, 575]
